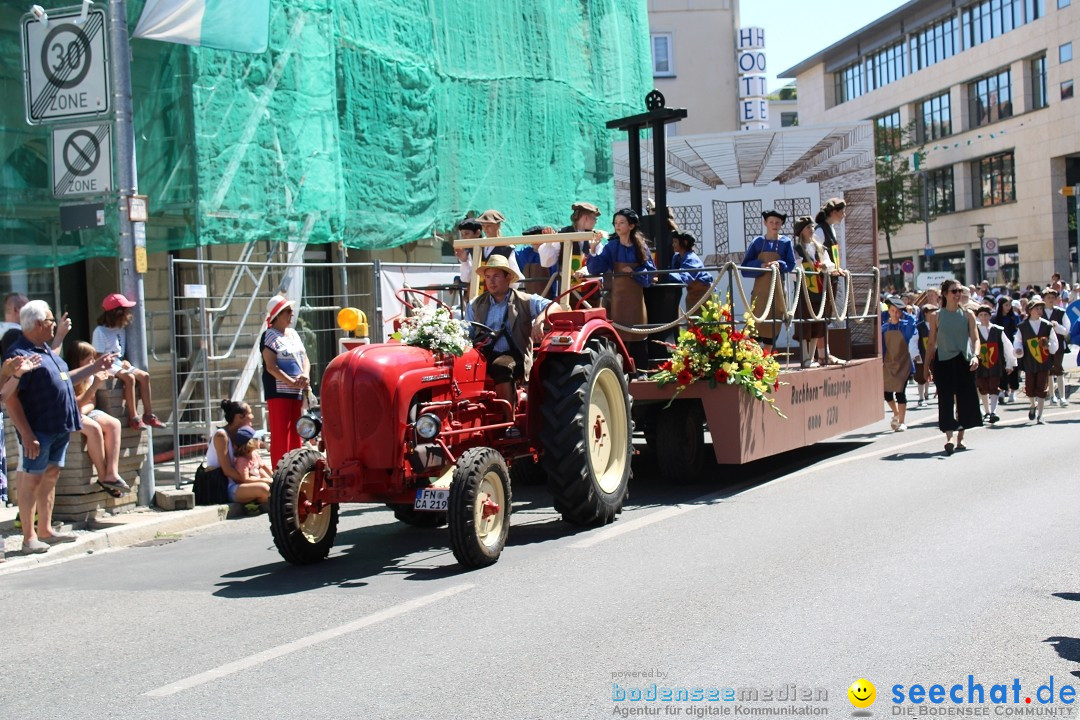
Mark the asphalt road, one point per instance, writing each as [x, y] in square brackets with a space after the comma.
[872, 556]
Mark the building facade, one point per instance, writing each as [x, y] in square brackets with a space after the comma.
[986, 89]
[694, 61]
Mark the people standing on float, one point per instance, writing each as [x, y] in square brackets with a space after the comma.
[818, 268]
[1035, 345]
[693, 274]
[827, 220]
[996, 358]
[1059, 319]
[899, 348]
[627, 253]
[765, 252]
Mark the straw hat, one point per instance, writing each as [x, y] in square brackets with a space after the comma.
[501, 263]
[491, 216]
[276, 305]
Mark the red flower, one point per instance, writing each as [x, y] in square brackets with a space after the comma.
[717, 337]
[666, 366]
[759, 372]
[776, 386]
[736, 336]
[721, 376]
[685, 377]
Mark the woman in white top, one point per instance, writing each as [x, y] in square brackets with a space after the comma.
[220, 454]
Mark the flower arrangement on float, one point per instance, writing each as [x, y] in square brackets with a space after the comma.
[713, 349]
[433, 328]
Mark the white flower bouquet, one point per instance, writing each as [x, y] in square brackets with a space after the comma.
[434, 329]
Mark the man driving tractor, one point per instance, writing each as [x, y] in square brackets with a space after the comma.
[517, 319]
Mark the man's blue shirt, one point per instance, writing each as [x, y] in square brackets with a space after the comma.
[46, 393]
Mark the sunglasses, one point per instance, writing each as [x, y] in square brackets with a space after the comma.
[955, 291]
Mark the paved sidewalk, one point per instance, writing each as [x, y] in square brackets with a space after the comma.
[108, 533]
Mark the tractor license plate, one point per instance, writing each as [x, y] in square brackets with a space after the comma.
[431, 499]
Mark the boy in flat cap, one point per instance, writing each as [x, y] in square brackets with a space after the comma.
[1035, 344]
[996, 358]
[491, 223]
[1059, 319]
[765, 252]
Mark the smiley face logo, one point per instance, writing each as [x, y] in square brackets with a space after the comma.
[862, 693]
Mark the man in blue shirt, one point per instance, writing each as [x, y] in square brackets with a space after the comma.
[517, 319]
[44, 412]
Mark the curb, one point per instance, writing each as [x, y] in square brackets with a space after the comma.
[111, 538]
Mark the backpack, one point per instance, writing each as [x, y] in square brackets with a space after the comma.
[211, 486]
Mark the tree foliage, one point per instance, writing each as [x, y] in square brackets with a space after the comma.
[899, 184]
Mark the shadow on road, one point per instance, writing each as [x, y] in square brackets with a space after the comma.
[926, 455]
[424, 553]
[1067, 648]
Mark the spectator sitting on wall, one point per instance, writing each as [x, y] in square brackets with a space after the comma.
[44, 412]
[101, 430]
[110, 336]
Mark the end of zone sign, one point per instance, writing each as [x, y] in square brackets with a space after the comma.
[82, 160]
[65, 66]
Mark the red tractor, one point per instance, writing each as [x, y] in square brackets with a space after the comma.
[427, 436]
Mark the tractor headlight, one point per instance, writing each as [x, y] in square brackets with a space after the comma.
[308, 426]
[427, 426]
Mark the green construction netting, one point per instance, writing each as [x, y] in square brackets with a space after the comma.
[372, 122]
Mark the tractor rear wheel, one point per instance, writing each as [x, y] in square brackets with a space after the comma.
[417, 518]
[479, 507]
[301, 536]
[587, 434]
[680, 442]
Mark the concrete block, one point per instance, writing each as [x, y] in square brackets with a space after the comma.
[173, 499]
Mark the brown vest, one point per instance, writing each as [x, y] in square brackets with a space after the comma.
[519, 322]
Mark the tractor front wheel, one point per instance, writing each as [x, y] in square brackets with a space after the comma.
[303, 532]
[479, 507]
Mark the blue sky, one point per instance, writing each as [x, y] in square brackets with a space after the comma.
[797, 29]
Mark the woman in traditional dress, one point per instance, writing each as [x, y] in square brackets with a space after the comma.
[628, 253]
[765, 252]
[693, 274]
[818, 267]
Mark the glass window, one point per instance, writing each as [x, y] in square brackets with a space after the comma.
[1066, 89]
[1064, 3]
[990, 99]
[935, 118]
[940, 191]
[1038, 83]
[885, 66]
[849, 82]
[888, 137]
[988, 19]
[661, 55]
[787, 119]
[994, 180]
[1065, 52]
[933, 44]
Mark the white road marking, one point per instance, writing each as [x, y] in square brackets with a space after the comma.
[305, 642]
[661, 515]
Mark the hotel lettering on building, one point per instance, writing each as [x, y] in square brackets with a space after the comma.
[988, 87]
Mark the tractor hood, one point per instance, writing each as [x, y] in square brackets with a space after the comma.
[365, 396]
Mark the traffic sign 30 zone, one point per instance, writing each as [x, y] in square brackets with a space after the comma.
[82, 161]
[65, 67]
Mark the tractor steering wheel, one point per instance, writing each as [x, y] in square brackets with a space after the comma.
[483, 334]
[402, 295]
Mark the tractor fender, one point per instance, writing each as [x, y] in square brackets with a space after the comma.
[574, 341]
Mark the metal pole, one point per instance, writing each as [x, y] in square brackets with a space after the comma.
[131, 282]
[633, 146]
[661, 231]
[926, 221]
[173, 352]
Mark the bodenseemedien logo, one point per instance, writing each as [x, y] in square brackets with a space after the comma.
[862, 693]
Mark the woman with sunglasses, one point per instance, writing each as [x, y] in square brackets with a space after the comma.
[954, 349]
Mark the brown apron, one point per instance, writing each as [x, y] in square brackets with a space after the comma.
[536, 278]
[694, 292]
[627, 301]
[766, 328]
[896, 362]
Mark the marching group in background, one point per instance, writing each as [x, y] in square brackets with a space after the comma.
[974, 343]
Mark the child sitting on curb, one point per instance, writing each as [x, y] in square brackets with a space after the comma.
[253, 468]
[110, 335]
